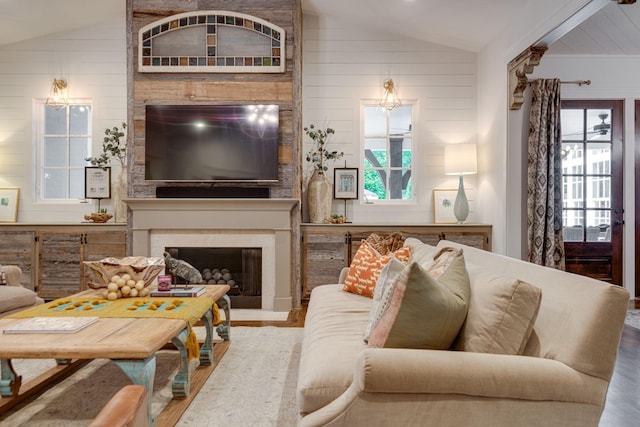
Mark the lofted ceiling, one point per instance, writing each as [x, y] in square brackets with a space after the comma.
[469, 25]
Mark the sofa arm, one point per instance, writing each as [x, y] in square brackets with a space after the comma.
[474, 374]
[127, 408]
[12, 274]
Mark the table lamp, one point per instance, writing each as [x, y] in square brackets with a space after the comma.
[460, 159]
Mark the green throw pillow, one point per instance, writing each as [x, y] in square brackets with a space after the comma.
[418, 311]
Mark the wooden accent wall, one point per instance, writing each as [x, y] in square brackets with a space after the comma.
[283, 89]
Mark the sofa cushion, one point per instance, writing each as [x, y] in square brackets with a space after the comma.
[366, 267]
[387, 276]
[331, 345]
[420, 311]
[14, 297]
[421, 253]
[502, 312]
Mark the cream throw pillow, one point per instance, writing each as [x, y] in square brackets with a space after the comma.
[419, 311]
[502, 312]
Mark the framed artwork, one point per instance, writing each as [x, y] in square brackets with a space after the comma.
[97, 182]
[345, 183]
[9, 204]
[443, 201]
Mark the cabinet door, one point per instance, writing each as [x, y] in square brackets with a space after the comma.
[59, 261]
[98, 245]
[323, 257]
[430, 238]
[19, 248]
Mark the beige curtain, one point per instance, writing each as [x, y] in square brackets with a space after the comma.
[544, 183]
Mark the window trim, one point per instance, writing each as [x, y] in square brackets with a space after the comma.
[38, 139]
[414, 150]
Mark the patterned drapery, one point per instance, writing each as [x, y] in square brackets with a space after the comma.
[544, 176]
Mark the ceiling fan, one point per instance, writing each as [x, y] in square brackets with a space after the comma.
[602, 128]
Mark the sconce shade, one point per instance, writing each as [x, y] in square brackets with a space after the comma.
[389, 99]
[57, 98]
[460, 159]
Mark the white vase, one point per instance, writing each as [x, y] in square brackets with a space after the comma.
[119, 192]
[319, 197]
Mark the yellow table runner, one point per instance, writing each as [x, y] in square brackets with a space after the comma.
[190, 310]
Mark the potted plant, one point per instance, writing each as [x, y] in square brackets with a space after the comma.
[318, 188]
[114, 147]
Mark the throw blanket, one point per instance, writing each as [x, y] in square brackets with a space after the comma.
[190, 310]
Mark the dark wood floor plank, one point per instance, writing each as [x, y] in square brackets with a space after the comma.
[623, 399]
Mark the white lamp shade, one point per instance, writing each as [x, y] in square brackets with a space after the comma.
[460, 159]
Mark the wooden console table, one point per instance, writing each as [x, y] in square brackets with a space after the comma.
[327, 248]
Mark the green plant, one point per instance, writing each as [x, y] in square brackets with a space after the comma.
[319, 154]
[113, 147]
[103, 210]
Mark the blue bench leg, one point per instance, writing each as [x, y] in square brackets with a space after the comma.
[9, 382]
[142, 372]
[225, 330]
[181, 381]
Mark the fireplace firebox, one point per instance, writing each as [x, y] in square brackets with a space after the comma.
[240, 268]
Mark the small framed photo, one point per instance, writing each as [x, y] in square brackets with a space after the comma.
[443, 201]
[9, 204]
[97, 182]
[345, 183]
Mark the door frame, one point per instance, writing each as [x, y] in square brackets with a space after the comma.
[637, 199]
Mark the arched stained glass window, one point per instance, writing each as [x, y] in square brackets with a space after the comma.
[211, 42]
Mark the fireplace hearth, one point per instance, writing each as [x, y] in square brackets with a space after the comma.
[240, 268]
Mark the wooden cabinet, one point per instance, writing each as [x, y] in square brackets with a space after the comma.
[51, 256]
[327, 248]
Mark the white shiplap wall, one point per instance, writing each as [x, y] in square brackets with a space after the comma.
[343, 65]
[93, 62]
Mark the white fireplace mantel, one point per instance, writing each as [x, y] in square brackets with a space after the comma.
[265, 223]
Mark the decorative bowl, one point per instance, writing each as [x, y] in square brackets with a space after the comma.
[98, 217]
[139, 268]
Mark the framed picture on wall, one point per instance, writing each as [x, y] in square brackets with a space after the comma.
[345, 183]
[9, 204]
[97, 182]
[443, 201]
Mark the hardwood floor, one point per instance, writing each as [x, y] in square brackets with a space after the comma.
[623, 399]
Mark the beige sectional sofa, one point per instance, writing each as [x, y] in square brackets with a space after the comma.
[13, 296]
[558, 377]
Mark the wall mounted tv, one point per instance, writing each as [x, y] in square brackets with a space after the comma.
[211, 143]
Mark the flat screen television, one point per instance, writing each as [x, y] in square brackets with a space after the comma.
[211, 143]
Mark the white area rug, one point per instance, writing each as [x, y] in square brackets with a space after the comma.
[633, 318]
[254, 385]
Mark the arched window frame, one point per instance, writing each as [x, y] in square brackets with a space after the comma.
[209, 62]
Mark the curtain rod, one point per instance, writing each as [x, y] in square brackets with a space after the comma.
[572, 82]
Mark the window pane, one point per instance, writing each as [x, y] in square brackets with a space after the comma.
[598, 192]
[79, 151]
[572, 125]
[407, 192]
[396, 145]
[573, 191]
[55, 121]
[55, 152]
[573, 226]
[599, 158]
[374, 155]
[599, 125]
[55, 184]
[375, 121]
[79, 119]
[374, 186]
[76, 184]
[598, 226]
[400, 120]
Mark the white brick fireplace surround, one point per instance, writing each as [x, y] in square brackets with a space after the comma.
[222, 223]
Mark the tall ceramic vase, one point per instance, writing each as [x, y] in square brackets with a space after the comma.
[119, 192]
[319, 197]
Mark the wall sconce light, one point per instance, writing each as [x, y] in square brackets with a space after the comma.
[57, 98]
[460, 159]
[390, 99]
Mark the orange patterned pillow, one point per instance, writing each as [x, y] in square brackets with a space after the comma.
[366, 267]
